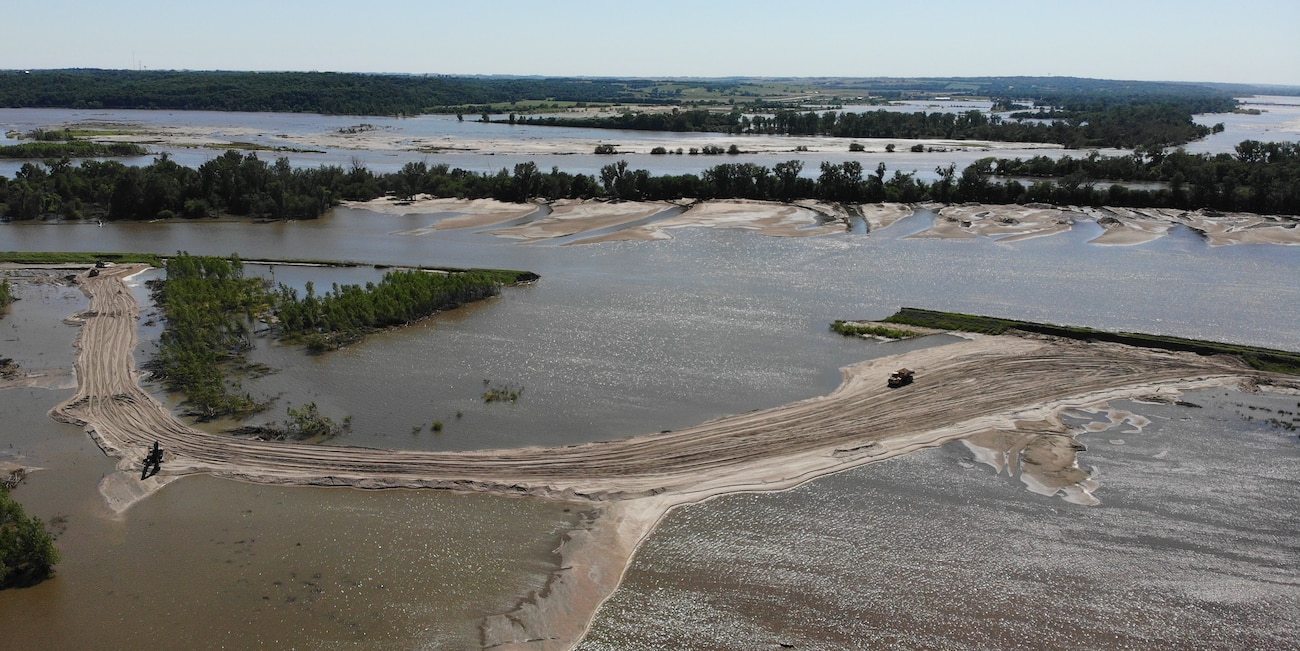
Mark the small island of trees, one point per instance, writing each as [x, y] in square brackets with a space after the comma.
[211, 308]
[27, 553]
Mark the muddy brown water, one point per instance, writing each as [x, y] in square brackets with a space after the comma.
[615, 340]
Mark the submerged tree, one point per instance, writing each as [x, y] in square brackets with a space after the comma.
[27, 553]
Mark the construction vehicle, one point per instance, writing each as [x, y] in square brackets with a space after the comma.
[900, 378]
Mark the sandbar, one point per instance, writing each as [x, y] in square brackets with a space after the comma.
[577, 217]
[1007, 223]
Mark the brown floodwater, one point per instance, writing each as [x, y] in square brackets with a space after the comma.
[209, 563]
[620, 339]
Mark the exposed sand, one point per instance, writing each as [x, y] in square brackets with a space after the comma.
[1125, 227]
[765, 217]
[627, 220]
[883, 215]
[390, 139]
[469, 213]
[1002, 222]
[981, 385]
[575, 217]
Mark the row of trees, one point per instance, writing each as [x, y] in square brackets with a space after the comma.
[210, 308]
[313, 92]
[233, 184]
[1260, 177]
[1120, 125]
[347, 312]
[44, 149]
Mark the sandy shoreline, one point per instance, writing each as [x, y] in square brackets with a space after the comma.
[982, 385]
[592, 221]
[390, 140]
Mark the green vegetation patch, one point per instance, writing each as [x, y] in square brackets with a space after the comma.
[849, 329]
[210, 307]
[27, 553]
[1264, 359]
[64, 257]
[346, 313]
[70, 149]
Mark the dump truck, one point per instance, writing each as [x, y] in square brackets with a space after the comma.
[900, 377]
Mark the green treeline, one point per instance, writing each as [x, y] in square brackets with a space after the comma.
[210, 307]
[347, 312]
[1260, 177]
[291, 92]
[1264, 359]
[232, 184]
[27, 553]
[70, 149]
[1120, 125]
[79, 257]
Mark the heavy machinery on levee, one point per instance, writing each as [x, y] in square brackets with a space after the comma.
[901, 377]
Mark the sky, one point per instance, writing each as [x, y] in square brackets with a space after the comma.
[1246, 41]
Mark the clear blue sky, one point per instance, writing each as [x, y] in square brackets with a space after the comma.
[1249, 41]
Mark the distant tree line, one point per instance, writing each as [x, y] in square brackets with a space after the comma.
[1260, 177]
[1096, 124]
[293, 92]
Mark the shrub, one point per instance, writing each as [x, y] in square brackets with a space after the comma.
[27, 553]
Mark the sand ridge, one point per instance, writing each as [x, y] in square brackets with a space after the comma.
[592, 221]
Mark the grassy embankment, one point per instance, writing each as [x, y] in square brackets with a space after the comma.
[1264, 359]
[77, 258]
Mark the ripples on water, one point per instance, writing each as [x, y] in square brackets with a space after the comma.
[1192, 547]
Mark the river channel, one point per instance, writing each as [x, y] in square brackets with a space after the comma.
[626, 338]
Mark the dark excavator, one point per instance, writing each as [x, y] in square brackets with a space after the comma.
[900, 378]
[152, 462]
